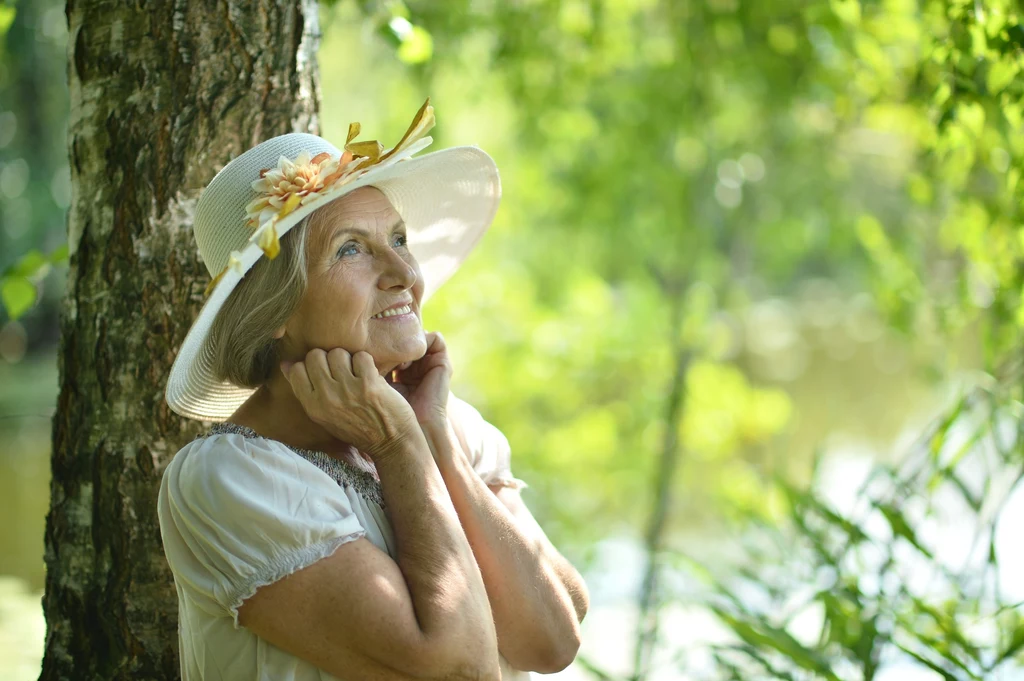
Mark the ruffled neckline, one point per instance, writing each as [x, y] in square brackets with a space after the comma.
[344, 473]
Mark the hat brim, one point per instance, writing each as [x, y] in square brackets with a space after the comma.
[447, 200]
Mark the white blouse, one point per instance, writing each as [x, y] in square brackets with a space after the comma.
[238, 511]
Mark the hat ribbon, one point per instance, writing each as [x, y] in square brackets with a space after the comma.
[303, 180]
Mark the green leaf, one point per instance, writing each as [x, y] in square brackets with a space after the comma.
[7, 15]
[59, 255]
[18, 294]
[762, 635]
[29, 265]
[33, 266]
[1000, 74]
[805, 501]
[926, 662]
[1015, 645]
[848, 11]
[901, 527]
[417, 46]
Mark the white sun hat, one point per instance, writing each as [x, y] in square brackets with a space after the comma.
[447, 200]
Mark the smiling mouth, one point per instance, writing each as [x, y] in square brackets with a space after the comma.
[405, 309]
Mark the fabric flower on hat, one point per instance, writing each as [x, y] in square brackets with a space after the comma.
[294, 183]
[305, 178]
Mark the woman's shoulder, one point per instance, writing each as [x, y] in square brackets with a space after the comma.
[227, 445]
[219, 456]
[486, 446]
[236, 512]
[224, 446]
[458, 407]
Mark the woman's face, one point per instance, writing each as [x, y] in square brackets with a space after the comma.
[359, 265]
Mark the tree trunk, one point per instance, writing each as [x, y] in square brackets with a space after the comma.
[650, 596]
[162, 96]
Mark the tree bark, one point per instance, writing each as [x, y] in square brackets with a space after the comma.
[162, 96]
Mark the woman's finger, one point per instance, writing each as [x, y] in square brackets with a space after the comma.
[362, 365]
[436, 355]
[435, 342]
[319, 372]
[438, 351]
[298, 378]
[340, 363]
[420, 367]
[436, 347]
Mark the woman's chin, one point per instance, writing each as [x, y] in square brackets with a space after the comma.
[414, 347]
[400, 357]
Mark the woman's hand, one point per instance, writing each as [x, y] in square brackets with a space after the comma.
[344, 393]
[424, 383]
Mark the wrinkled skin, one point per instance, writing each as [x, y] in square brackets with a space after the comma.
[325, 395]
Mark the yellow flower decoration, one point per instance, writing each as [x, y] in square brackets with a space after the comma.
[295, 183]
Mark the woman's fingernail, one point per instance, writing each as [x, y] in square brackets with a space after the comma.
[285, 366]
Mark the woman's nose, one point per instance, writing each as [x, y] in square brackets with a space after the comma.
[396, 272]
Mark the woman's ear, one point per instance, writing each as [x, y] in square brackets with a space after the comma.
[279, 333]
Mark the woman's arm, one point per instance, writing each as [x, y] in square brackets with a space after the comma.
[356, 614]
[537, 598]
[567, 574]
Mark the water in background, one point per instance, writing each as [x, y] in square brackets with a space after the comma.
[28, 391]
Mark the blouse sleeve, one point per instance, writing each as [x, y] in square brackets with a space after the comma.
[239, 513]
[485, 445]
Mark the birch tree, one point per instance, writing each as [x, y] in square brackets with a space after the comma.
[162, 96]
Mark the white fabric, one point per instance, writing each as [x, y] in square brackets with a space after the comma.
[485, 444]
[238, 512]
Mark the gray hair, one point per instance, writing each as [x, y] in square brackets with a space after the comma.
[242, 333]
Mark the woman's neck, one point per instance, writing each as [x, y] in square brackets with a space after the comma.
[275, 412]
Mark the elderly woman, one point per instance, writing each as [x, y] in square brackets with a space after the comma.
[348, 517]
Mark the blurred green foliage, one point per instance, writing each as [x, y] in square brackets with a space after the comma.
[910, 574]
[18, 283]
[35, 181]
[715, 181]
[684, 161]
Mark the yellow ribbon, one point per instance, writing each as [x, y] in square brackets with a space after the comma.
[371, 151]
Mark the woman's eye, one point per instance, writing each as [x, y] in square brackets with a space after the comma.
[352, 246]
